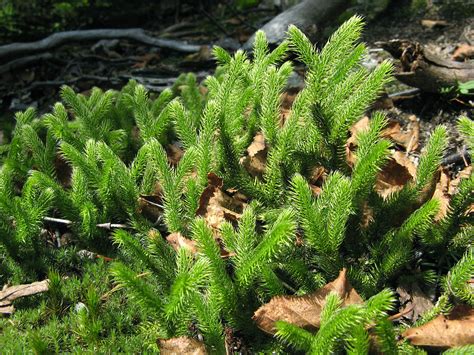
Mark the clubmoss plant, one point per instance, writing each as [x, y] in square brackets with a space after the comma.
[94, 160]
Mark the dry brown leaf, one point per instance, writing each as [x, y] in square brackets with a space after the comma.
[203, 90]
[174, 153]
[446, 188]
[414, 302]
[216, 206]
[442, 194]
[177, 241]
[463, 174]
[359, 126]
[367, 215]
[181, 346]
[316, 190]
[407, 139]
[256, 158]
[287, 99]
[9, 294]
[463, 52]
[284, 114]
[316, 179]
[398, 171]
[455, 329]
[304, 311]
[145, 59]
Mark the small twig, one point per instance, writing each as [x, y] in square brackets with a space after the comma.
[401, 314]
[460, 156]
[215, 22]
[111, 60]
[175, 27]
[152, 203]
[376, 50]
[242, 19]
[185, 33]
[284, 284]
[108, 226]
[409, 145]
[57, 220]
[116, 288]
[408, 92]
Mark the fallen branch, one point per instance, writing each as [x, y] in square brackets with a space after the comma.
[14, 50]
[310, 16]
[9, 294]
[422, 69]
[23, 62]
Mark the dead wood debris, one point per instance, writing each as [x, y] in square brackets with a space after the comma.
[425, 70]
[15, 50]
[9, 294]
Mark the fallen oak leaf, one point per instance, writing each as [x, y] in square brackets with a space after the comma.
[455, 329]
[177, 241]
[442, 195]
[304, 311]
[256, 159]
[316, 179]
[407, 139]
[398, 171]
[174, 153]
[463, 174]
[446, 188]
[351, 144]
[182, 345]
[216, 206]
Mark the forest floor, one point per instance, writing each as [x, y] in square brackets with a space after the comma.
[110, 64]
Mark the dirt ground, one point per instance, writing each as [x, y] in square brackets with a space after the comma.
[430, 109]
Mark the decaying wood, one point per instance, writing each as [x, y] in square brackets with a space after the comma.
[310, 16]
[9, 294]
[15, 50]
[427, 71]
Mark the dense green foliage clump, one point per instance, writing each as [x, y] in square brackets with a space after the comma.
[93, 157]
